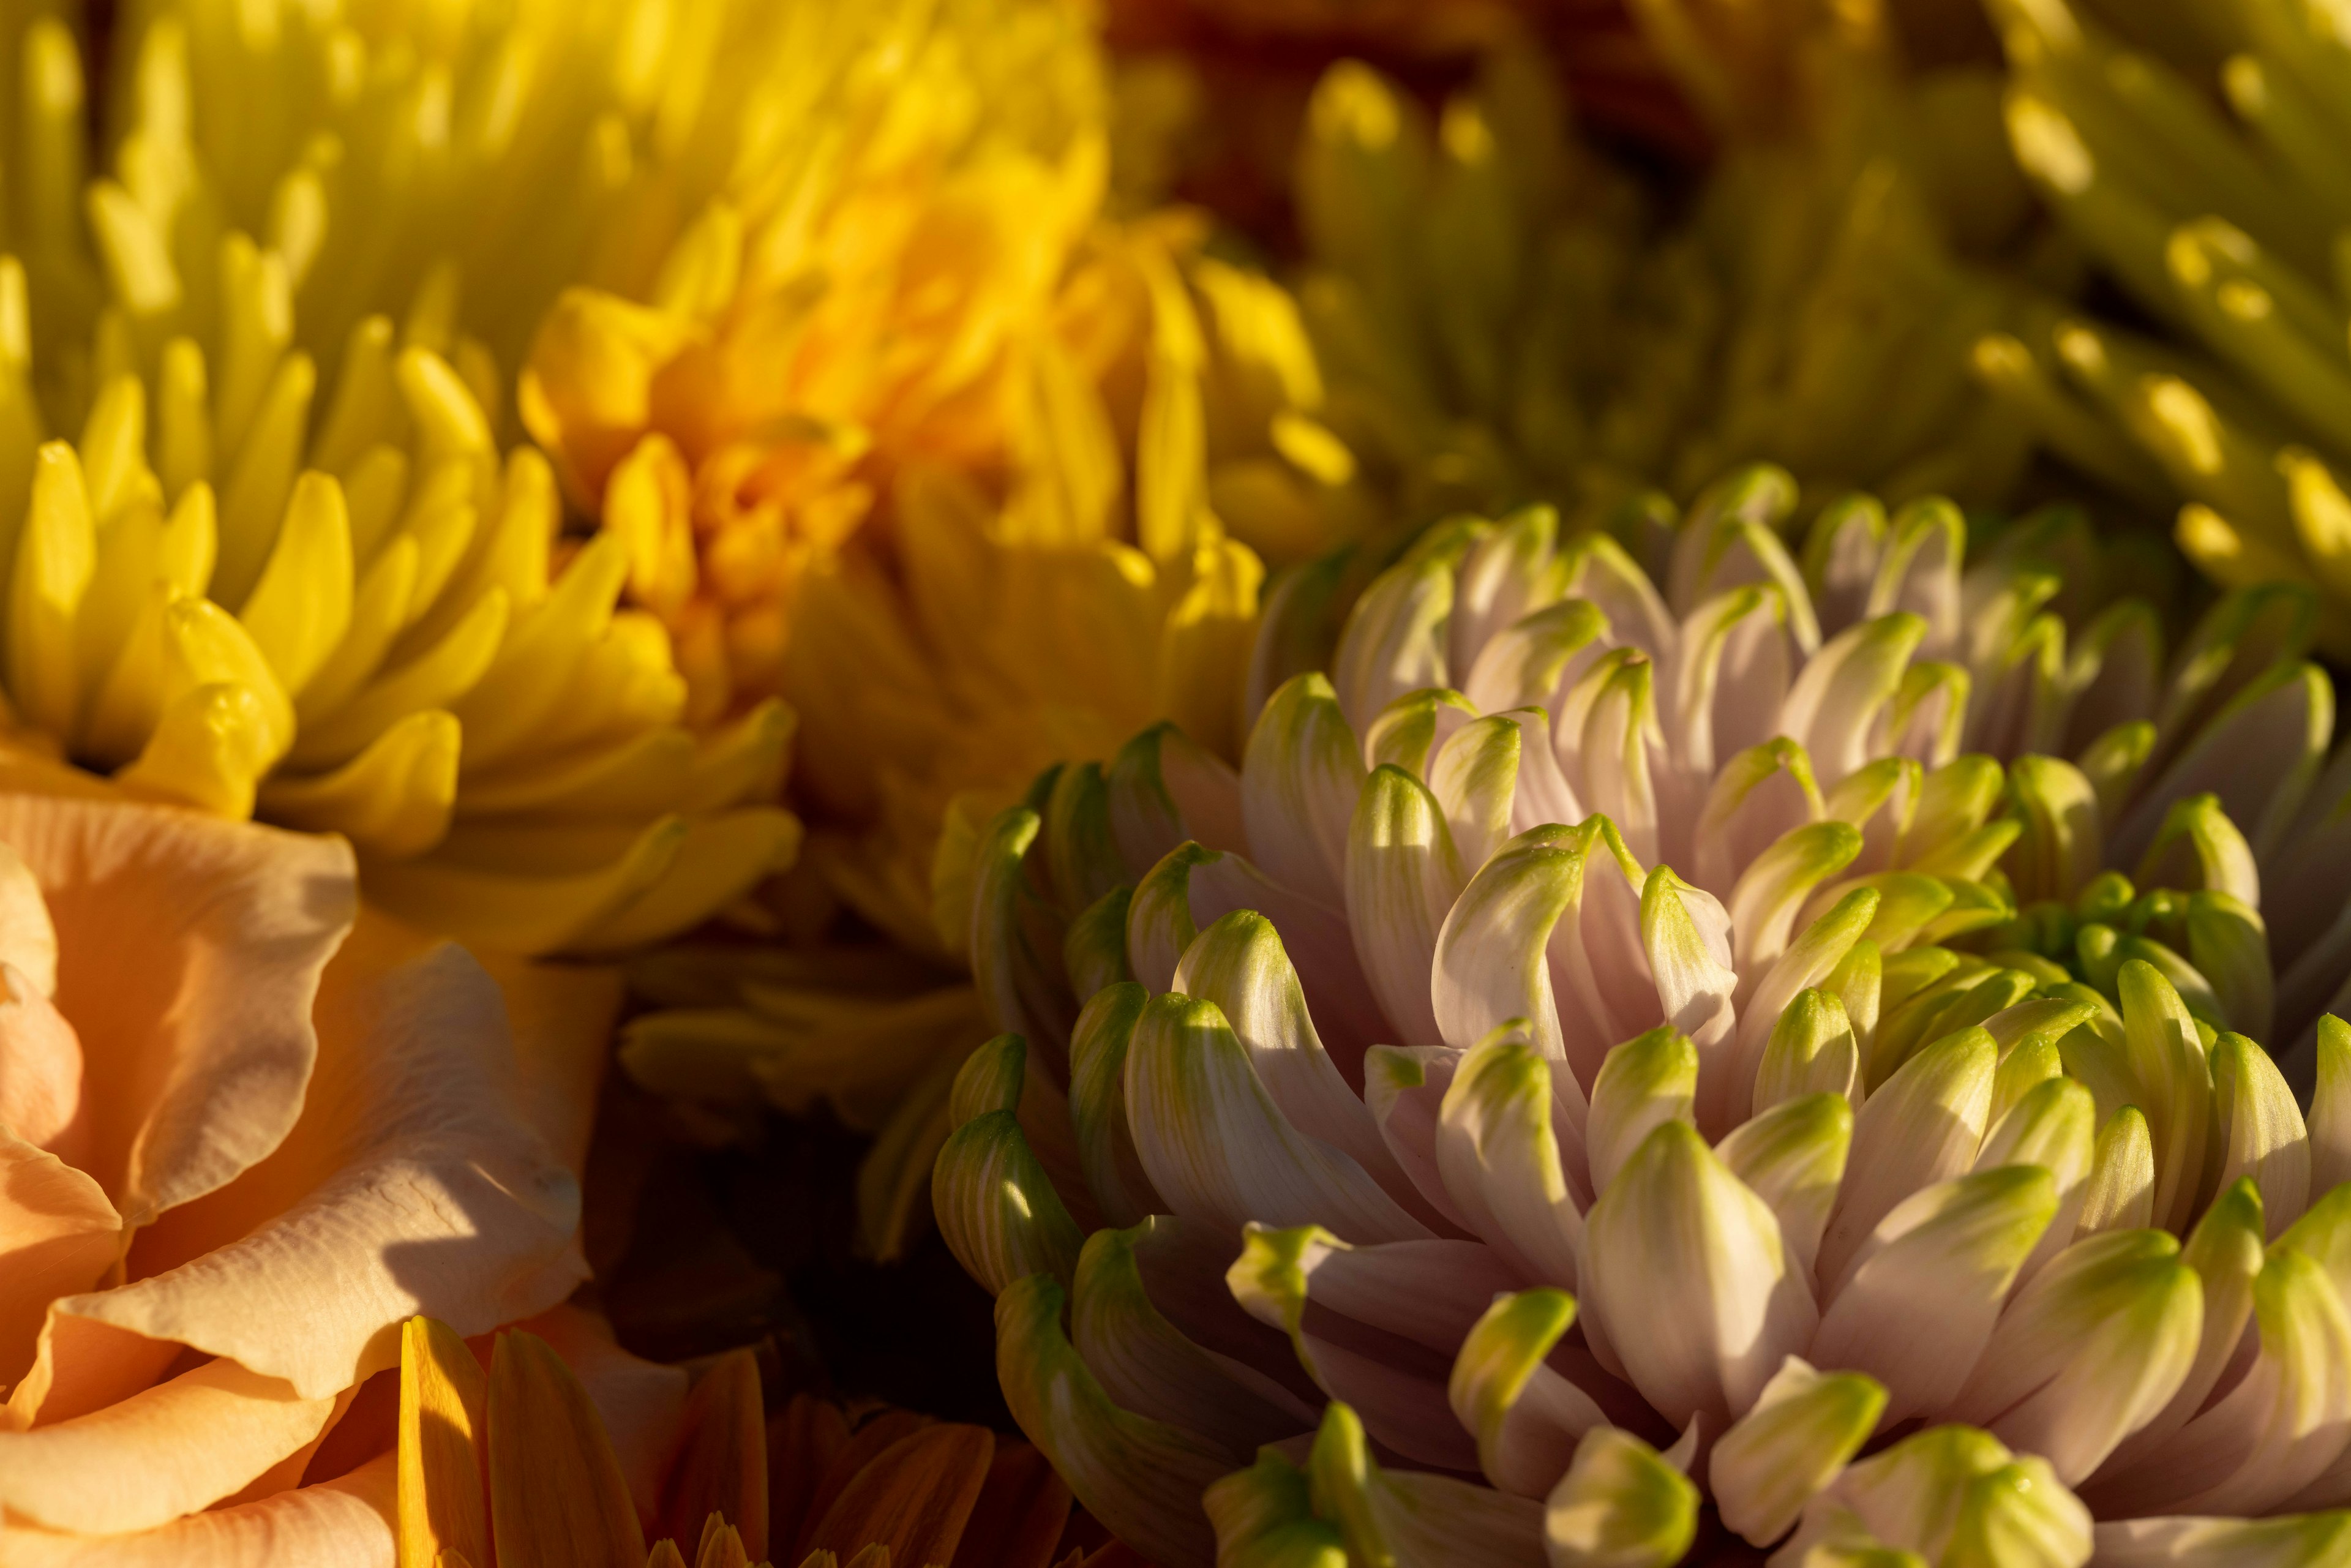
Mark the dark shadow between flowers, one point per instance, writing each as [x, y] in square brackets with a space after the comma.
[700, 1249]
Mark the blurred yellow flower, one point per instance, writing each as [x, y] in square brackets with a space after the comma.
[871, 448]
[2225, 224]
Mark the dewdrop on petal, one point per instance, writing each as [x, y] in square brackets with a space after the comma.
[1632, 1183]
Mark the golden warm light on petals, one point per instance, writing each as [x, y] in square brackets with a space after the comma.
[557, 1496]
[313, 1124]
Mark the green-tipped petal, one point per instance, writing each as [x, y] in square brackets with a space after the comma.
[1141, 1477]
[1264, 1518]
[1811, 1050]
[1525, 1416]
[2259, 1129]
[2093, 1348]
[1619, 1506]
[1684, 1266]
[1106, 1155]
[1920, 1301]
[1923, 1126]
[1216, 1146]
[1403, 876]
[997, 1208]
[1794, 1156]
[1300, 779]
[1804, 1429]
[2175, 1081]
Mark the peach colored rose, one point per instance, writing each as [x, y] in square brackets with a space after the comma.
[247, 1129]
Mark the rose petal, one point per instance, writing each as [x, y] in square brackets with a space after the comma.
[57, 1235]
[163, 1452]
[412, 1184]
[40, 1069]
[190, 954]
[342, 1523]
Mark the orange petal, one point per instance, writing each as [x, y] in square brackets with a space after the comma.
[801, 1442]
[853, 1455]
[444, 1417]
[165, 1451]
[914, 1497]
[1021, 1513]
[665, 1555]
[642, 1402]
[722, 1461]
[28, 938]
[585, 393]
[189, 953]
[558, 1498]
[57, 1235]
[41, 1068]
[413, 1185]
[722, 1546]
[562, 1017]
[342, 1523]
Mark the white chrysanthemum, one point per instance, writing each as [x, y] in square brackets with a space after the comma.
[1546, 1196]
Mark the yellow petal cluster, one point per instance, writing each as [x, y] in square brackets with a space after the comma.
[935, 450]
[2194, 150]
[266, 545]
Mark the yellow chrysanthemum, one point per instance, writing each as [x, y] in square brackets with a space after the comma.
[2195, 148]
[868, 444]
[1500, 321]
[290, 566]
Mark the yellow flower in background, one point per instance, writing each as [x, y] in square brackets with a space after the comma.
[282, 563]
[1499, 320]
[2224, 223]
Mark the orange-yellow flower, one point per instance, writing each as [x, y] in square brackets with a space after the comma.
[247, 1129]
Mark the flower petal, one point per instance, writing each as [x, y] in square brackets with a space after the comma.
[1141, 1477]
[1918, 1303]
[1403, 876]
[1219, 1149]
[190, 952]
[342, 1523]
[1504, 1157]
[1685, 1269]
[1806, 1426]
[1923, 1126]
[413, 1184]
[1619, 1504]
[1299, 780]
[163, 1452]
[1525, 1416]
[557, 1495]
[1149, 1365]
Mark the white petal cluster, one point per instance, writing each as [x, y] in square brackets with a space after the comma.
[1745, 1159]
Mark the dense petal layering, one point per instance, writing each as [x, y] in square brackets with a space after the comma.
[266, 550]
[247, 1129]
[1542, 336]
[1501, 317]
[2197, 156]
[1815, 1144]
